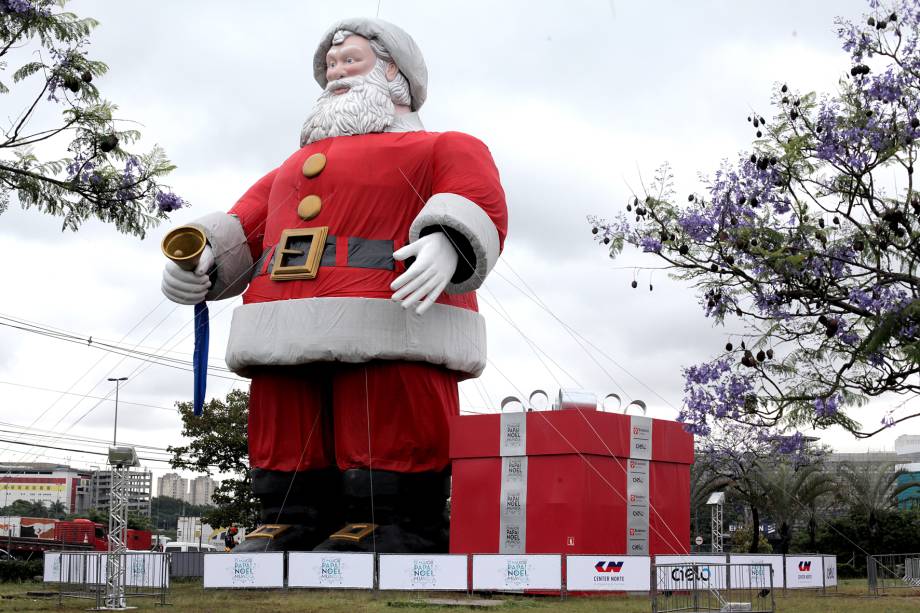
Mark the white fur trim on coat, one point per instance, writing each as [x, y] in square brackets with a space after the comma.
[305, 330]
[466, 217]
[231, 254]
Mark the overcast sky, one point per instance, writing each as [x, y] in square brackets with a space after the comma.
[579, 102]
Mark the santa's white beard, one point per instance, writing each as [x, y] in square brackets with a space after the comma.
[365, 108]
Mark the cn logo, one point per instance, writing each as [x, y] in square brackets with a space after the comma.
[608, 567]
[805, 566]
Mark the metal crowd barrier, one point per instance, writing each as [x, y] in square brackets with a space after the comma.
[893, 571]
[701, 586]
[82, 575]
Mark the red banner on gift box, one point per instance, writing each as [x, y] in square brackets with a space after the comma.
[571, 481]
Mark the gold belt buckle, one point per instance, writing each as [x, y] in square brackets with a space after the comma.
[268, 531]
[306, 243]
[354, 533]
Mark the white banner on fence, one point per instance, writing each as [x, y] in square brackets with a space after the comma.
[804, 571]
[420, 572]
[145, 569]
[755, 576]
[242, 570]
[527, 572]
[52, 567]
[830, 571]
[610, 572]
[689, 572]
[331, 570]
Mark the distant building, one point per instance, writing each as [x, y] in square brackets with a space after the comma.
[139, 485]
[201, 490]
[863, 457]
[173, 486]
[907, 447]
[44, 482]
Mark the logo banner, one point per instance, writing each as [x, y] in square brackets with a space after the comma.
[512, 537]
[515, 573]
[637, 484]
[616, 573]
[755, 576]
[423, 572]
[244, 570]
[690, 572]
[804, 571]
[143, 569]
[331, 570]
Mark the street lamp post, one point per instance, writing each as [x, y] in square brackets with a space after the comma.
[117, 381]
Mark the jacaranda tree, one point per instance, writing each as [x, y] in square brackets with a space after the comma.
[94, 174]
[811, 239]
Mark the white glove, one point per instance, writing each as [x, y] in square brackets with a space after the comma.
[188, 286]
[434, 265]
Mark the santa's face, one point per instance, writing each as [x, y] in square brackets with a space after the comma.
[353, 58]
[357, 98]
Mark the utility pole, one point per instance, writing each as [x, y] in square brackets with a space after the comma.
[117, 381]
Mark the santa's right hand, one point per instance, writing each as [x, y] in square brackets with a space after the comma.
[188, 286]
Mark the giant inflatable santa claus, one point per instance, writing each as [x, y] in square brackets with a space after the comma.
[357, 259]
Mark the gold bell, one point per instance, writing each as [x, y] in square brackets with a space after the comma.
[183, 245]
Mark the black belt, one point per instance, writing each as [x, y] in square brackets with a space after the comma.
[362, 253]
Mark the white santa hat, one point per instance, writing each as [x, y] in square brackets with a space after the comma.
[405, 53]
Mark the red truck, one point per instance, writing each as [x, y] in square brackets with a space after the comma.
[23, 536]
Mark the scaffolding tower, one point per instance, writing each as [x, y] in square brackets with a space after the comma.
[122, 460]
[716, 502]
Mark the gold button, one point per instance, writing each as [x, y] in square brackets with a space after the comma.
[314, 165]
[309, 207]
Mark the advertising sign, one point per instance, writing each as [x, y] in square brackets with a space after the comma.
[830, 571]
[615, 573]
[331, 569]
[242, 570]
[805, 571]
[756, 576]
[690, 572]
[514, 573]
[421, 572]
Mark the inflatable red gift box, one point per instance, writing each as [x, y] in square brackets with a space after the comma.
[569, 481]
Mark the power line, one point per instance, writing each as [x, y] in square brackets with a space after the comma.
[78, 439]
[143, 356]
[68, 393]
[102, 453]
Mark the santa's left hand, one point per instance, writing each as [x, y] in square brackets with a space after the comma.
[434, 265]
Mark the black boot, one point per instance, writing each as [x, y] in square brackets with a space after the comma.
[298, 509]
[408, 514]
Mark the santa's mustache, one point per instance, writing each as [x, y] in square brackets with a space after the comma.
[343, 83]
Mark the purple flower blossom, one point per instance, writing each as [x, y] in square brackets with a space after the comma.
[826, 407]
[792, 444]
[650, 244]
[168, 202]
[15, 6]
[696, 225]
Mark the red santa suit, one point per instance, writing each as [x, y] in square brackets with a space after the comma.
[341, 374]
